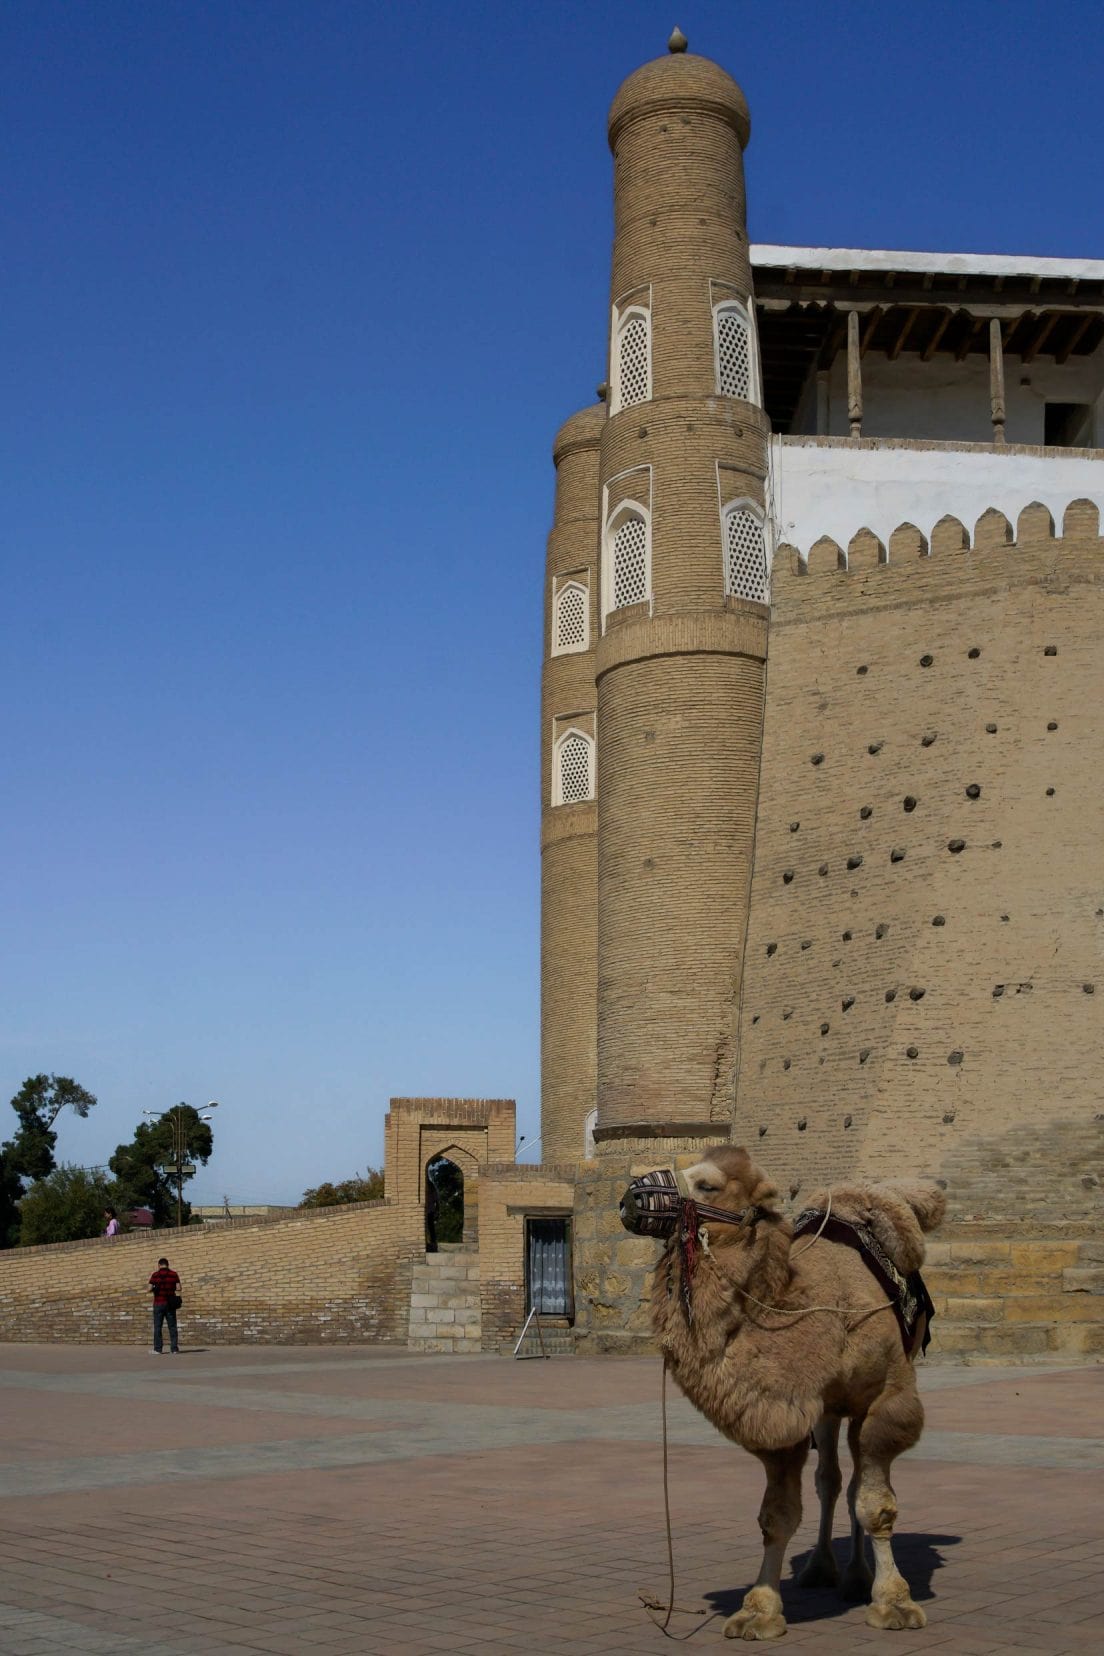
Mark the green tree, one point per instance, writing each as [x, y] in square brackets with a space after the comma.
[366, 1187]
[450, 1194]
[66, 1206]
[139, 1167]
[29, 1153]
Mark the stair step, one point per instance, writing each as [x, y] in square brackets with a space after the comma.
[976, 1340]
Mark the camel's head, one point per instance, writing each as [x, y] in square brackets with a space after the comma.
[728, 1181]
[725, 1187]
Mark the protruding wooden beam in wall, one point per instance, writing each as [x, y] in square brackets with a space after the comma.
[940, 329]
[1074, 340]
[996, 379]
[854, 375]
[968, 338]
[899, 343]
[1041, 337]
[872, 321]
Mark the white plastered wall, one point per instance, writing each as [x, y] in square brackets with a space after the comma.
[948, 401]
[836, 489]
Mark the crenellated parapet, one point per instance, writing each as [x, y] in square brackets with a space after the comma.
[954, 556]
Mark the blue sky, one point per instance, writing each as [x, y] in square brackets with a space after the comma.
[296, 296]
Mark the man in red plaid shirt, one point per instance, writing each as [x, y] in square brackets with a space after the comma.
[164, 1286]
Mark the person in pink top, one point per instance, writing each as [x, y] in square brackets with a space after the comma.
[113, 1225]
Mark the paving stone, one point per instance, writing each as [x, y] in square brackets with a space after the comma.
[405, 1503]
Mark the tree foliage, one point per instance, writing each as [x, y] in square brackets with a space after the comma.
[449, 1182]
[365, 1187]
[29, 1153]
[66, 1206]
[139, 1165]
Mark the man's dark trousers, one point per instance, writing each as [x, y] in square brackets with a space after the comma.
[162, 1314]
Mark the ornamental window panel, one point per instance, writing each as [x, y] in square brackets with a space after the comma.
[630, 561]
[632, 359]
[571, 619]
[548, 1267]
[737, 368]
[573, 769]
[745, 553]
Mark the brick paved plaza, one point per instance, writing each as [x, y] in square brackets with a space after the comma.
[366, 1500]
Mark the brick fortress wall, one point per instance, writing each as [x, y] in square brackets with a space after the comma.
[327, 1275]
[923, 983]
[318, 1276]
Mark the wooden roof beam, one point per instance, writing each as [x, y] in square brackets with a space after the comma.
[872, 321]
[1073, 341]
[810, 287]
[937, 334]
[1041, 336]
[906, 328]
[976, 325]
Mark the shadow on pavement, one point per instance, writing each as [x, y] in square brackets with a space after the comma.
[918, 1557]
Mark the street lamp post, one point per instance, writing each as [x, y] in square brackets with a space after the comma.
[180, 1147]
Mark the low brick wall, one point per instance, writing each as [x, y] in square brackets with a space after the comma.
[324, 1275]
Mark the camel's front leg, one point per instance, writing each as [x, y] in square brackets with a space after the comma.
[893, 1425]
[821, 1570]
[760, 1616]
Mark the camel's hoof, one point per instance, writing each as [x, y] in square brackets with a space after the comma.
[821, 1571]
[753, 1624]
[896, 1616]
[857, 1581]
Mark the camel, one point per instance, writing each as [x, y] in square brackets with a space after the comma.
[777, 1340]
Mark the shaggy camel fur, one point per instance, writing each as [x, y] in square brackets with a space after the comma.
[768, 1377]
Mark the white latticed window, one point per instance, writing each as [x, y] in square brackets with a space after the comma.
[745, 553]
[630, 561]
[570, 620]
[736, 365]
[573, 769]
[632, 364]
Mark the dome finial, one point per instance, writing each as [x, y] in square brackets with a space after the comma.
[678, 41]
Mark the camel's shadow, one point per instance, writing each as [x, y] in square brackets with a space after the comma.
[917, 1556]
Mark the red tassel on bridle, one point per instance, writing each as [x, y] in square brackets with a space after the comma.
[688, 1256]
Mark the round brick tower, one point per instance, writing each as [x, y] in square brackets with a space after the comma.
[569, 823]
[681, 652]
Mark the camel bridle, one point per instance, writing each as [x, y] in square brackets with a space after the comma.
[653, 1205]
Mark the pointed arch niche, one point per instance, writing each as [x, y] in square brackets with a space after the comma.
[627, 542]
[573, 768]
[735, 346]
[631, 351]
[744, 550]
[570, 613]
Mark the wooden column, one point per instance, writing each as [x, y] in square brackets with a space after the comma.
[996, 379]
[854, 375]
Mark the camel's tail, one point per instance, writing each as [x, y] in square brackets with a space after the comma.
[928, 1201]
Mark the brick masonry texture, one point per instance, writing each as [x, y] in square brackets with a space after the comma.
[569, 838]
[851, 908]
[680, 683]
[324, 1275]
[509, 1193]
[928, 903]
[329, 1274]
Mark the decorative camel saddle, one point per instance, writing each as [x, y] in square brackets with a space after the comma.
[907, 1294]
[654, 1205]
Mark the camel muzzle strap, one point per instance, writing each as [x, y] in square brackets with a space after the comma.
[656, 1204]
